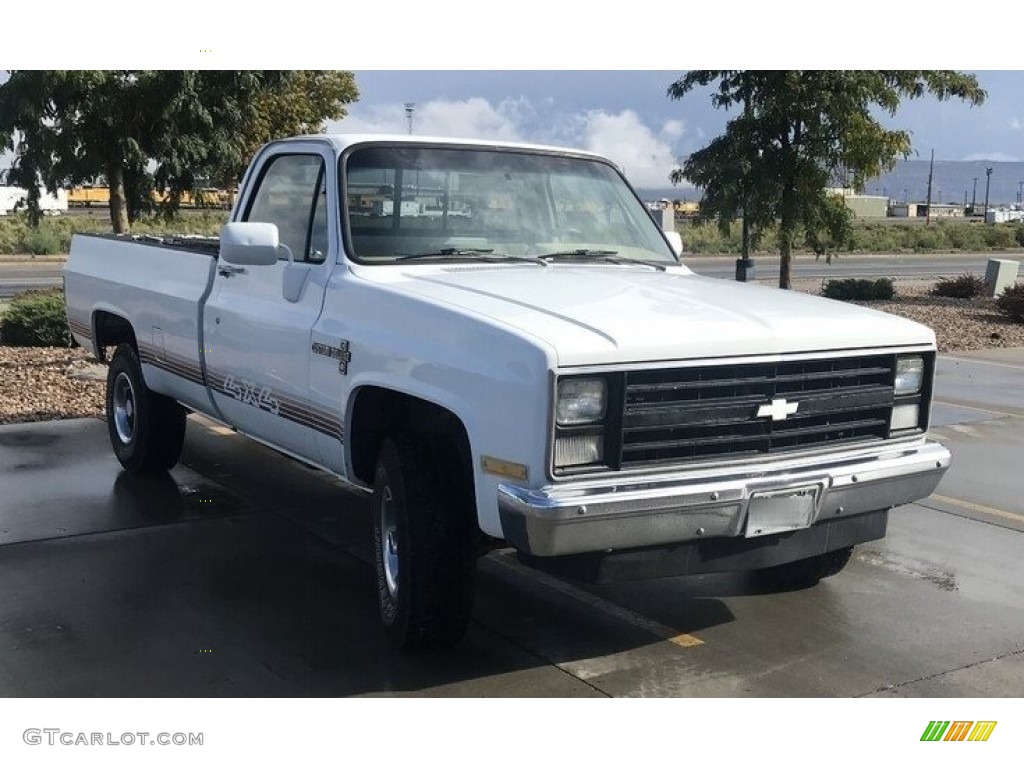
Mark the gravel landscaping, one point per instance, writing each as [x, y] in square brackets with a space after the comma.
[960, 325]
[43, 383]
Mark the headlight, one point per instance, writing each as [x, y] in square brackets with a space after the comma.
[581, 401]
[909, 375]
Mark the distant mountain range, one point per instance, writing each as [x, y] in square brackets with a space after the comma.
[909, 181]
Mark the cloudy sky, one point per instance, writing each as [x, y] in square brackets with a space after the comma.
[627, 116]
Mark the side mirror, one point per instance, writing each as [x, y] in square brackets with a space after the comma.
[675, 240]
[250, 243]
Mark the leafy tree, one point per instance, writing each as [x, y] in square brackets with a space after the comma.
[300, 104]
[796, 130]
[152, 129]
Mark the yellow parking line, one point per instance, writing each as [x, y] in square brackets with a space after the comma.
[686, 641]
[979, 508]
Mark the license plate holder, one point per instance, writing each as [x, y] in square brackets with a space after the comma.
[790, 509]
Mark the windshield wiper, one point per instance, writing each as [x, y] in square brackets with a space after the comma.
[475, 254]
[587, 254]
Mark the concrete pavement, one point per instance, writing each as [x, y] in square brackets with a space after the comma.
[243, 573]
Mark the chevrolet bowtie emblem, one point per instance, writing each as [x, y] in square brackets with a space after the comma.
[778, 410]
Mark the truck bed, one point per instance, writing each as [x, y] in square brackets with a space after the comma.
[157, 285]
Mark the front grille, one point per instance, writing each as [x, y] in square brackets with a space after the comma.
[688, 414]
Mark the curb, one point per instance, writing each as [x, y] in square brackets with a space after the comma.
[22, 258]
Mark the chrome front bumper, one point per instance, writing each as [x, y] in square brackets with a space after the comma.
[681, 506]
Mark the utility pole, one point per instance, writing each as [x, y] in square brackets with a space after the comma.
[974, 198]
[988, 181]
[1020, 192]
[410, 107]
[928, 202]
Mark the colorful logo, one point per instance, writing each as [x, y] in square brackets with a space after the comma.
[958, 730]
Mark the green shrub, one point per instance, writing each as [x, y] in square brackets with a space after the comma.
[852, 289]
[706, 237]
[1011, 302]
[967, 286]
[927, 239]
[41, 242]
[999, 236]
[36, 319]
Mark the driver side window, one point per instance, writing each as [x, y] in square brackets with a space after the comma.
[292, 194]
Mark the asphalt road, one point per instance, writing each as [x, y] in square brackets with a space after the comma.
[246, 574]
[17, 276]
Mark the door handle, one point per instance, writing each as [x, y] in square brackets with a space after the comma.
[227, 270]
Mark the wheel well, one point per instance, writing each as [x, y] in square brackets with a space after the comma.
[110, 330]
[379, 413]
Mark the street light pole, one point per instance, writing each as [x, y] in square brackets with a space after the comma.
[988, 181]
[928, 210]
[974, 198]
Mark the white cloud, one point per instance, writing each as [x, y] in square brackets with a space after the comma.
[995, 157]
[645, 158]
[472, 118]
[1016, 124]
[673, 128]
[646, 155]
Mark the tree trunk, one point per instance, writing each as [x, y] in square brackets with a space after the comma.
[787, 231]
[786, 258]
[118, 204]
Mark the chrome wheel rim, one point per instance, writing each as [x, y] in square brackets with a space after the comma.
[389, 539]
[124, 408]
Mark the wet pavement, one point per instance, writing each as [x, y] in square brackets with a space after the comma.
[243, 573]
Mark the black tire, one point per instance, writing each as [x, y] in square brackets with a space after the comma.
[807, 572]
[425, 544]
[147, 429]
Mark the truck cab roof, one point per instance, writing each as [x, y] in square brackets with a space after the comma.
[342, 141]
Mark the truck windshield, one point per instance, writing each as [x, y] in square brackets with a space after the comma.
[448, 204]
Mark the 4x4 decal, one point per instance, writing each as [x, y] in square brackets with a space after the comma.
[251, 394]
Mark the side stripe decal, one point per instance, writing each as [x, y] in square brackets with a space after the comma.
[296, 410]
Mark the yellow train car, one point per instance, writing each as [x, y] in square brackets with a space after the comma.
[208, 197]
[685, 209]
[86, 197]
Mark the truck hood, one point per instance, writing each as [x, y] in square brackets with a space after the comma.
[594, 315]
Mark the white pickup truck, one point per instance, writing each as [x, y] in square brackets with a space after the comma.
[530, 363]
